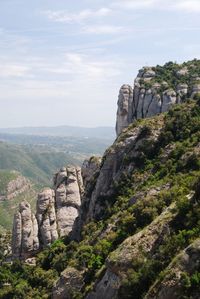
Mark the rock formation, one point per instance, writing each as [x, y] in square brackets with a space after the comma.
[133, 248]
[151, 96]
[68, 189]
[89, 169]
[25, 232]
[46, 217]
[113, 167]
[70, 281]
[15, 186]
[56, 212]
[183, 267]
[124, 112]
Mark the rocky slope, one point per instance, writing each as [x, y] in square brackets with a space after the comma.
[12, 183]
[140, 213]
[135, 231]
[14, 188]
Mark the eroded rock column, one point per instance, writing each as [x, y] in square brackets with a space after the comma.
[25, 232]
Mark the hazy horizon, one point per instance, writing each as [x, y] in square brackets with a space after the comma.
[63, 62]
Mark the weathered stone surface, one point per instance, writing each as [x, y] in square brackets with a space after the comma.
[124, 114]
[148, 97]
[188, 262]
[25, 232]
[46, 217]
[113, 167]
[107, 288]
[133, 248]
[68, 190]
[89, 168]
[195, 90]
[70, 281]
[15, 187]
[182, 72]
[56, 213]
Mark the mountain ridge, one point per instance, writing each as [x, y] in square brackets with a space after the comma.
[138, 219]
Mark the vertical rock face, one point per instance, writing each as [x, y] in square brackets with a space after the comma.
[56, 212]
[151, 94]
[25, 232]
[46, 217]
[89, 168]
[71, 280]
[124, 115]
[68, 188]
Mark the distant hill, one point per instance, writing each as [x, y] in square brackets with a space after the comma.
[98, 132]
[36, 164]
[14, 188]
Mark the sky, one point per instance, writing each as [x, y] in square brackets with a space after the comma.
[62, 62]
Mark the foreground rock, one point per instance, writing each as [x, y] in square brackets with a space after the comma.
[56, 213]
[25, 240]
[131, 250]
[68, 189]
[67, 286]
[177, 275]
[46, 217]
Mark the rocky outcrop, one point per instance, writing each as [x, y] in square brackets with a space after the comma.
[124, 114]
[177, 275]
[25, 232]
[18, 186]
[68, 189]
[131, 250]
[56, 212]
[89, 169]
[114, 164]
[46, 217]
[15, 186]
[69, 283]
[151, 96]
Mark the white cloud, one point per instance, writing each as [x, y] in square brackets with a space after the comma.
[102, 29]
[133, 4]
[13, 70]
[190, 6]
[63, 16]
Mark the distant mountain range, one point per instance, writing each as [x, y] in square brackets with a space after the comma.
[64, 131]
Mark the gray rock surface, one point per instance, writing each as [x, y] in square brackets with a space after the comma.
[69, 282]
[133, 248]
[46, 217]
[25, 240]
[124, 115]
[56, 212]
[187, 262]
[89, 169]
[148, 97]
[16, 187]
[68, 190]
[113, 167]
